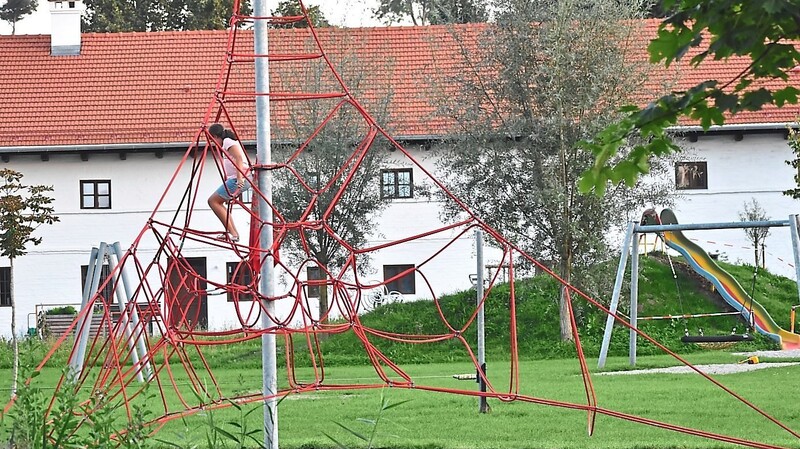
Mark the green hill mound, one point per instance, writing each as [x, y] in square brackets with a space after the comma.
[538, 331]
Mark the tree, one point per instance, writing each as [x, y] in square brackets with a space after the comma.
[110, 16]
[291, 8]
[657, 9]
[763, 32]
[22, 210]
[757, 236]
[794, 144]
[431, 12]
[323, 166]
[14, 10]
[518, 163]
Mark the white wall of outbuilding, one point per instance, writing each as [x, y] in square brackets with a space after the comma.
[738, 171]
[50, 273]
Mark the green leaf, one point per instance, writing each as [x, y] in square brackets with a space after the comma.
[772, 6]
[335, 441]
[754, 100]
[624, 171]
[587, 181]
[226, 434]
[387, 407]
[786, 95]
[353, 432]
[724, 101]
[600, 186]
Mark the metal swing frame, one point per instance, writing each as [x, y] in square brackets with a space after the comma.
[630, 248]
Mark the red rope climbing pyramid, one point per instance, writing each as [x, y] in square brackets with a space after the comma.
[165, 289]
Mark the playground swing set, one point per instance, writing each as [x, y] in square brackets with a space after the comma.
[668, 230]
[710, 341]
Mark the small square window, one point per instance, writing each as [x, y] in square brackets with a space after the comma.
[105, 272]
[397, 183]
[691, 175]
[239, 276]
[313, 274]
[96, 194]
[405, 284]
[5, 286]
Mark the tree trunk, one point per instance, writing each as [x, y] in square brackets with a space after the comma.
[14, 342]
[566, 243]
[566, 324]
[323, 299]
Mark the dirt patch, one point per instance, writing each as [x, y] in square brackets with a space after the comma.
[727, 368]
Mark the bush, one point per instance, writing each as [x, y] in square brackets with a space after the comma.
[62, 310]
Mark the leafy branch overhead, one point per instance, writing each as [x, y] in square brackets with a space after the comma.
[763, 31]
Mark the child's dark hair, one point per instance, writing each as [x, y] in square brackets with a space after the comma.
[219, 131]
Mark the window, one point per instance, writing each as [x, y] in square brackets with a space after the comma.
[5, 286]
[246, 196]
[405, 284]
[239, 274]
[691, 175]
[397, 183]
[312, 274]
[108, 290]
[96, 194]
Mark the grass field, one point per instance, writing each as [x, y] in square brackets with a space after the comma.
[437, 420]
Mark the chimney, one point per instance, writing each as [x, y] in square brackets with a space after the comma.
[65, 20]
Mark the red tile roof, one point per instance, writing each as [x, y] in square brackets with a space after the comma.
[128, 88]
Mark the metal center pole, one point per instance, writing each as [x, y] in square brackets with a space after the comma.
[267, 285]
[482, 405]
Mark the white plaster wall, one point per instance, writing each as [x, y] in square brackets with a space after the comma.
[739, 171]
[50, 272]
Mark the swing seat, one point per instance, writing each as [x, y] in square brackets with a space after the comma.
[730, 338]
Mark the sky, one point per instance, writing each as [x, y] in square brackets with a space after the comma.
[349, 13]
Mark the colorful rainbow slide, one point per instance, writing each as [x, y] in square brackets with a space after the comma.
[726, 285]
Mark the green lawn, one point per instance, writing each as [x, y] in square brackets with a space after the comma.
[438, 420]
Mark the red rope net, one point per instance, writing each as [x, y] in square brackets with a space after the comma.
[167, 289]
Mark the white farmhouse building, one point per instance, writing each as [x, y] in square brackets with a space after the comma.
[106, 118]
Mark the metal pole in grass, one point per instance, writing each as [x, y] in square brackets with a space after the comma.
[92, 283]
[267, 284]
[482, 405]
[796, 250]
[634, 308]
[623, 261]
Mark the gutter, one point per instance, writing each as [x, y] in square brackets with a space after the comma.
[107, 148]
[148, 147]
[778, 126]
[182, 146]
